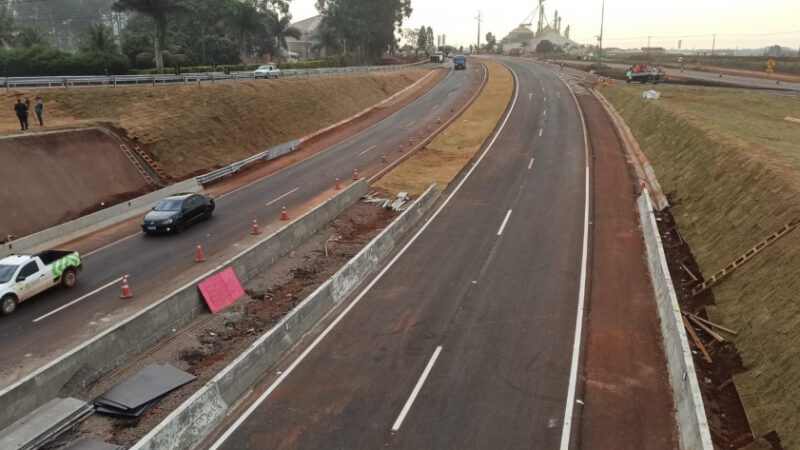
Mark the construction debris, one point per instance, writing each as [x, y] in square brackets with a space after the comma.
[697, 342]
[396, 205]
[714, 325]
[92, 444]
[702, 326]
[44, 424]
[141, 391]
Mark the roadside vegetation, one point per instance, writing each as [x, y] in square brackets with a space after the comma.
[441, 160]
[730, 164]
[190, 129]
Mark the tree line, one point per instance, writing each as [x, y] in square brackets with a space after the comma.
[167, 33]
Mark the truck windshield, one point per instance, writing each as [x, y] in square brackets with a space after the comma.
[168, 205]
[6, 272]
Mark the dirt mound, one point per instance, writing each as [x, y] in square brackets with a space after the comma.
[51, 178]
[190, 129]
[731, 165]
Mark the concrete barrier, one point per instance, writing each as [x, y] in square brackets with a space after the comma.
[690, 415]
[83, 365]
[87, 224]
[188, 425]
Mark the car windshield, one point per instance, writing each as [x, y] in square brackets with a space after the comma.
[168, 205]
[6, 272]
[263, 68]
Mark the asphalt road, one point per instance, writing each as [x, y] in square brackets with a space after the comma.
[467, 339]
[38, 331]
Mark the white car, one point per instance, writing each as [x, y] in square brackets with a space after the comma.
[23, 276]
[267, 71]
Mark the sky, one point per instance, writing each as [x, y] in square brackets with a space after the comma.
[628, 23]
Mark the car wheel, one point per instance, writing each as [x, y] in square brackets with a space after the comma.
[179, 227]
[8, 305]
[68, 278]
[207, 213]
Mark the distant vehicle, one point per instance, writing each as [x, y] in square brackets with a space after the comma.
[644, 73]
[175, 213]
[267, 71]
[23, 276]
[460, 62]
[437, 57]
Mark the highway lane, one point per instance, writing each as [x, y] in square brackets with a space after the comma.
[156, 264]
[465, 340]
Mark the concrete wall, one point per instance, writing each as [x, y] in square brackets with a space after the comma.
[690, 415]
[85, 364]
[87, 224]
[188, 425]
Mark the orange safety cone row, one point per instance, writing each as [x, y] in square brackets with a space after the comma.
[355, 174]
[126, 289]
[383, 158]
[338, 185]
[200, 257]
[400, 148]
[255, 227]
[284, 214]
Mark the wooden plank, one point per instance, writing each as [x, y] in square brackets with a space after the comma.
[717, 326]
[697, 342]
[711, 332]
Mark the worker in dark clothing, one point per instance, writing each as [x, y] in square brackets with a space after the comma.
[22, 114]
[39, 108]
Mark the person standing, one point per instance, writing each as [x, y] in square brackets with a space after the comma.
[39, 108]
[22, 114]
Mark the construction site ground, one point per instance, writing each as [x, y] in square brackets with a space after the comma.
[52, 178]
[238, 120]
[210, 342]
[729, 163]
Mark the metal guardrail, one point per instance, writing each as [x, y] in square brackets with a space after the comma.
[65, 82]
[270, 154]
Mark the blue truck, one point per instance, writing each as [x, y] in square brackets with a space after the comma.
[460, 62]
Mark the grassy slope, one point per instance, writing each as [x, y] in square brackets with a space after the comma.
[194, 128]
[733, 165]
[441, 160]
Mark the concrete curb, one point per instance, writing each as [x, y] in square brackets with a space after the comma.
[189, 425]
[365, 111]
[644, 170]
[87, 224]
[690, 415]
[86, 363]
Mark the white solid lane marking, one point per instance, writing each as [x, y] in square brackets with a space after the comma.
[545, 99]
[544, 113]
[530, 164]
[420, 382]
[372, 283]
[436, 106]
[78, 299]
[558, 94]
[410, 123]
[576, 345]
[530, 95]
[503, 225]
[282, 196]
[540, 131]
[86, 255]
[365, 151]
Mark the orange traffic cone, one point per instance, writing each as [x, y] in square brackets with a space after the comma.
[421, 134]
[355, 174]
[410, 142]
[255, 227]
[338, 185]
[383, 158]
[400, 148]
[430, 128]
[200, 257]
[126, 289]
[284, 214]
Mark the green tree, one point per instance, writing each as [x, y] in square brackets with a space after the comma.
[366, 27]
[7, 26]
[545, 46]
[281, 27]
[431, 40]
[31, 37]
[159, 11]
[422, 39]
[247, 21]
[326, 38]
[99, 38]
[491, 42]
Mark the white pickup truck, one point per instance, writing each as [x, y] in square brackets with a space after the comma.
[267, 71]
[23, 276]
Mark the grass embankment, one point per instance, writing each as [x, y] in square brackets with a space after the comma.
[732, 164]
[441, 160]
[192, 128]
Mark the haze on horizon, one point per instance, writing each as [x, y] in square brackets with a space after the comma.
[737, 23]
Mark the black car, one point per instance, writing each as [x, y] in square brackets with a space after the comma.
[174, 213]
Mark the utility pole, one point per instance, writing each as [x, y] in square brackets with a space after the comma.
[648, 45]
[600, 41]
[713, 45]
[478, 48]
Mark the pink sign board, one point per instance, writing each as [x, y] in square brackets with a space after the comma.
[221, 290]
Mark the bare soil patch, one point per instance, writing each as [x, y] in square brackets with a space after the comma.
[210, 342]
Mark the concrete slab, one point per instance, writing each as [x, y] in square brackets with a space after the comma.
[44, 423]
